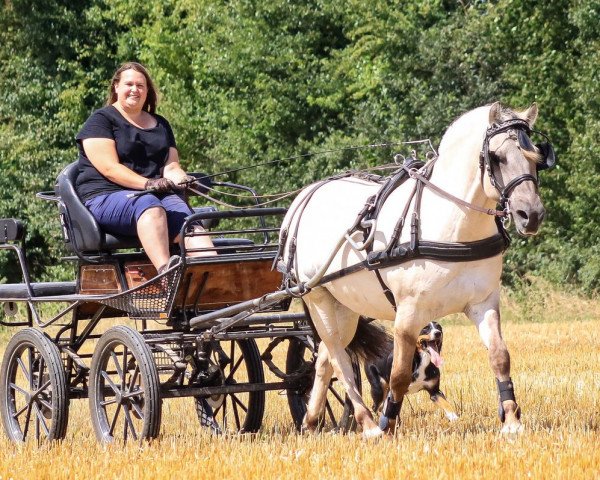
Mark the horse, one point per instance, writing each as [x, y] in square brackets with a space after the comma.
[485, 158]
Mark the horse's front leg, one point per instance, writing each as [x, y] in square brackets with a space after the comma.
[406, 330]
[486, 317]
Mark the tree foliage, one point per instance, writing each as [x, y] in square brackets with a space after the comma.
[246, 82]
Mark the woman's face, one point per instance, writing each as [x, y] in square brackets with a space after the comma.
[131, 90]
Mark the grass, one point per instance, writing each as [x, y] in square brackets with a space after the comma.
[555, 362]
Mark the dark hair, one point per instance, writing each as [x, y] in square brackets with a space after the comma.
[152, 96]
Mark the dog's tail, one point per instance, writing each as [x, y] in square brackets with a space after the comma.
[371, 341]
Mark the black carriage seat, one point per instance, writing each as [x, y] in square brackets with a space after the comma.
[80, 229]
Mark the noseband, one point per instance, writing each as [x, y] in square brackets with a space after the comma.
[486, 162]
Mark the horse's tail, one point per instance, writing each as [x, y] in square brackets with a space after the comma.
[371, 341]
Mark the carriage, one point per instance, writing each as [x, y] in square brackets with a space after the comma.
[169, 335]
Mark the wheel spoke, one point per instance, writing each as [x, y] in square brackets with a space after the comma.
[236, 415]
[232, 351]
[40, 420]
[331, 415]
[236, 400]
[27, 419]
[114, 420]
[336, 394]
[40, 373]
[124, 377]
[129, 422]
[138, 410]
[44, 403]
[16, 414]
[113, 355]
[14, 386]
[235, 367]
[111, 384]
[30, 369]
[24, 370]
[134, 393]
[42, 388]
[108, 402]
[133, 378]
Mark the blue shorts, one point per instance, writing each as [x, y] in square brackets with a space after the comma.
[118, 215]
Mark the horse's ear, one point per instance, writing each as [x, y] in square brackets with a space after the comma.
[531, 114]
[495, 113]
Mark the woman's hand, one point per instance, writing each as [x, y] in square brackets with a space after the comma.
[160, 185]
[186, 181]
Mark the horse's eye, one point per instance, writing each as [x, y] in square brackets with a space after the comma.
[494, 158]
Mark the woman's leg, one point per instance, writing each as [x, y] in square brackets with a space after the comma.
[153, 234]
[198, 241]
[177, 211]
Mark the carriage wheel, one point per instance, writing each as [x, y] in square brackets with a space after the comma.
[124, 389]
[339, 412]
[34, 398]
[238, 361]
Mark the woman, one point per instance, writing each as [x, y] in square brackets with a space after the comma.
[126, 147]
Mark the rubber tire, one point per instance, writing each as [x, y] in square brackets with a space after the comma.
[151, 402]
[298, 398]
[256, 400]
[58, 396]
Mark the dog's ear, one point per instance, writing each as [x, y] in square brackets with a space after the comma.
[374, 371]
[373, 375]
[376, 381]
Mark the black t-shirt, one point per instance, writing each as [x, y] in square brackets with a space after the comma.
[143, 150]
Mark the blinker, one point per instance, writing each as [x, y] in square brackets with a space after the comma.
[525, 141]
[545, 149]
[548, 154]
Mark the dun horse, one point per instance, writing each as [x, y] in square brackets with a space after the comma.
[419, 250]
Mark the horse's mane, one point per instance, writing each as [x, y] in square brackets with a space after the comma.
[467, 131]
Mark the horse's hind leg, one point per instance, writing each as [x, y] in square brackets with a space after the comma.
[486, 317]
[336, 326]
[318, 394]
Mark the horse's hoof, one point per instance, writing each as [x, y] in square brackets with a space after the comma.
[453, 417]
[307, 427]
[512, 428]
[387, 425]
[371, 433]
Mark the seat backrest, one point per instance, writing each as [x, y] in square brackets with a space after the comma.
[80, 229]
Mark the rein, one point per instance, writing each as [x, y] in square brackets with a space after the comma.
[489, 211]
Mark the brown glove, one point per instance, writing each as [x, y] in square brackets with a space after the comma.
[159, 185]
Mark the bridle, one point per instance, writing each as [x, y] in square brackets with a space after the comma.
[485, 159]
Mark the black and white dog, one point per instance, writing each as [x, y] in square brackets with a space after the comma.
[426, 371]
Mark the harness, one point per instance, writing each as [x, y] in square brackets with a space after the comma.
[417, 248]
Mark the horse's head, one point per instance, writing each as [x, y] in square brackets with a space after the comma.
[512, 163]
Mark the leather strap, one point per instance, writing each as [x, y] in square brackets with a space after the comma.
[446, 251]
[489, 211]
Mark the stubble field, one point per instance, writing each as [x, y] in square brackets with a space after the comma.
[555, 348]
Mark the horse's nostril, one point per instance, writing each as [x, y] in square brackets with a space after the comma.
[522, 214]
